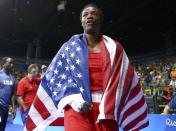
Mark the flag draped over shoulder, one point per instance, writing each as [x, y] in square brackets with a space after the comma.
[66, 81]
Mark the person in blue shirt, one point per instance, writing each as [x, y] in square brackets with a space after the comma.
[170, 105]
[7, 90]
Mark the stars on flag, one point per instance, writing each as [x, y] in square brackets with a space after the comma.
[67, 48]
[72, 67]
[68, 60]
[55, 93]
[59, 85]
[59, 63]
[63, 55]
[79, 75]
[47, 76]
[78, 61]
[70, 80]
[63, 76]
[52, 80]
[50, 68]
[72, 55]
[81, 89]
[56, 71]
[67, 68]
[73, 43]
[78, 48]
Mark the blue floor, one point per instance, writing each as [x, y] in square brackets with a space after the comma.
[17, 125]
[157, 123]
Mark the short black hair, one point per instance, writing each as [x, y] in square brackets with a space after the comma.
[96, 7]
[3, 61]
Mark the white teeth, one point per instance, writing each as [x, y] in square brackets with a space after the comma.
[89, 22]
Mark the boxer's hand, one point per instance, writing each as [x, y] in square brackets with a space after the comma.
[86, 108]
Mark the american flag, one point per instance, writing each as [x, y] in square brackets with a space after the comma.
[66, 81]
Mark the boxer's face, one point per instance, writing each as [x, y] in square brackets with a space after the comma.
[90, 19]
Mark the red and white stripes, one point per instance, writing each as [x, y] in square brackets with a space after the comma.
[123, 99]
[37, 120]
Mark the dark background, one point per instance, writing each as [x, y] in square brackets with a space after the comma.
[142, 26]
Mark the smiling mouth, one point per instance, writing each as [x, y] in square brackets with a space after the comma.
[90, 22]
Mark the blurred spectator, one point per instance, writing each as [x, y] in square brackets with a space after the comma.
[7, 91]
[171, 105]
[43, 70]
[27, 89]
[17, 74]
[173, 73]
[173, 79]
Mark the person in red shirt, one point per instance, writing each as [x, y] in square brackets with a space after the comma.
[27, 89]
[91, 18]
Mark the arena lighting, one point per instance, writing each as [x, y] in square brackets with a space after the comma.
[61, 5]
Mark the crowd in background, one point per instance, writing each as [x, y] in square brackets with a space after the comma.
[156, 73]
[158, 77]
[155, 78]
[152, 74]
